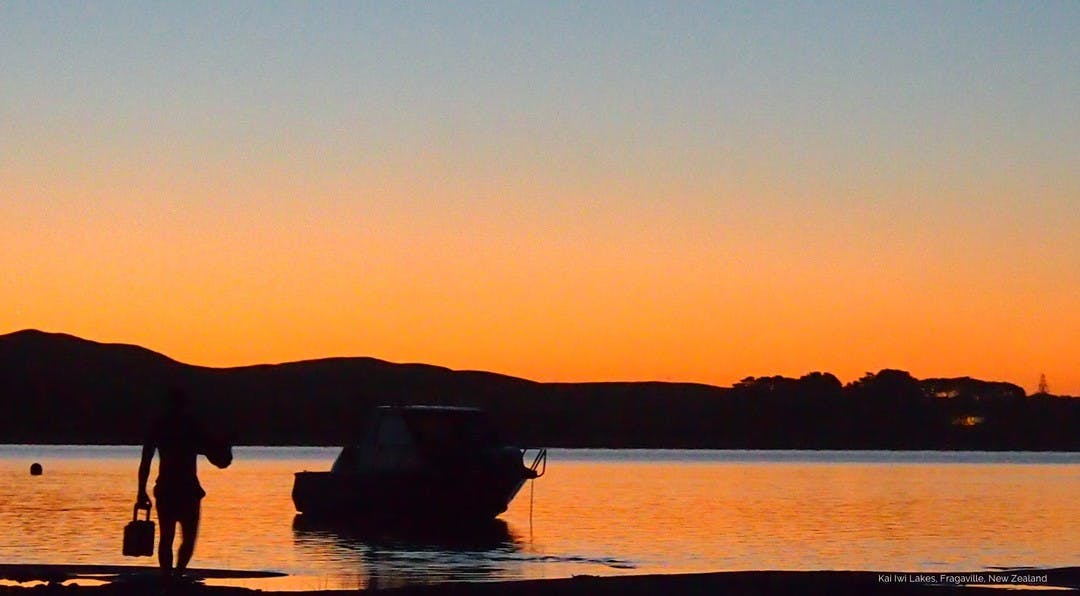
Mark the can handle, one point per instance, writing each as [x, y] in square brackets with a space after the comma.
[135, 512]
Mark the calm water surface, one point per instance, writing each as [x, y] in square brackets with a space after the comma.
[594, 512]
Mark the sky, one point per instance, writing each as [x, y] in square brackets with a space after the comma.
[560, 191]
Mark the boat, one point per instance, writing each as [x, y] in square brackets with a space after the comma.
[420, 463]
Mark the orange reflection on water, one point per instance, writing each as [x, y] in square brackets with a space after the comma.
[593, 512]
[740, 516]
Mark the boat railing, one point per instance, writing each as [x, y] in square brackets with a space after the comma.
[539, 462]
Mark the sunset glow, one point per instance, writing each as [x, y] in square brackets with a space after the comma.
[607, 192]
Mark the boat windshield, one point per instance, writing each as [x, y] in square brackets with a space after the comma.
[452, 430]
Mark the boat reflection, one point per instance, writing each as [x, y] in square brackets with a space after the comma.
[372, 555]
[494, 534]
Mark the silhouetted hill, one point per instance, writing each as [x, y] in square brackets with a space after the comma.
[56, 388]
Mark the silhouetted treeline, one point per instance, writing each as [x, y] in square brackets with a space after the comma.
[61, 389]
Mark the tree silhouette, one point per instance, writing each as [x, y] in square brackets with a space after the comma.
[1044, 389]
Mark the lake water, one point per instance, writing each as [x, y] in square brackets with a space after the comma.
[595, 512]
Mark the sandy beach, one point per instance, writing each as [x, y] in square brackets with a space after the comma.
[735, 583]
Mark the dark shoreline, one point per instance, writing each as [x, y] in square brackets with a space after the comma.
[62, 389]
[619, 448]
[731, 583]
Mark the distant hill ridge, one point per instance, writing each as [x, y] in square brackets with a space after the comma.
[58, 388]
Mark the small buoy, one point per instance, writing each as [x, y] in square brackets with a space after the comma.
[35, 469]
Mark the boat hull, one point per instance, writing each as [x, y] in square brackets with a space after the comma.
[462, 496]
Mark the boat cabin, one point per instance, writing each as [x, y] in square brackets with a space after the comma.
[412, 437]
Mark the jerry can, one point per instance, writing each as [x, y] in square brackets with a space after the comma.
[139, 534]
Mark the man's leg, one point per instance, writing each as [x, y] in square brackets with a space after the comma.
[168, 531]
[189, 527]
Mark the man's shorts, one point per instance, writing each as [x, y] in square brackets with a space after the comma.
[177, 503]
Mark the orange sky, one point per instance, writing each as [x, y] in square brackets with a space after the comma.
[613, 196]
[549, 296]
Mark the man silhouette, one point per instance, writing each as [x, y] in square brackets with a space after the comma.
[179, 439]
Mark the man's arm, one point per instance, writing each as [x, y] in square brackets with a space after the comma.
[144, 471]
